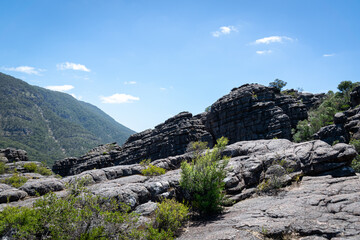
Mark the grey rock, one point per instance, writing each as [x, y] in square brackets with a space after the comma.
[319, 208]
[42, 186]
[10, 155]
[250, 112]
[146, 209]
[10, 194]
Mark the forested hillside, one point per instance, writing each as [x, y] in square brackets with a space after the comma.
[51, 125]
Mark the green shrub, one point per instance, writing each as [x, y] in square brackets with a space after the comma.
[355, 164]
[145, 162]
[277, 83]
[202, 179]
[170, 215]
[152, 170]
[72, 217]
[3, 168]
[15, 180]
[33, 167]
[44, 171]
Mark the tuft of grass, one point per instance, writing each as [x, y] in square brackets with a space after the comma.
[152, 170]
[15, 180]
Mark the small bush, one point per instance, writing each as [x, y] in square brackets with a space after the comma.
[145, 162]
[3, 168]
[355, 164]
[15, 180]
[152, 170]
[44, 171]
[170, 215]
[202, 179]
[33, 167]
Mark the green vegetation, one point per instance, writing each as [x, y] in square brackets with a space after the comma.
[324, 114]
[356, 162]
[152, 170]
[277, 83]
[33, 167]
[145, 162]
[15, 180]
[52, 125]
[202, 179]
[81, 215]
[170, 216]
[3, 168]
[279, 170]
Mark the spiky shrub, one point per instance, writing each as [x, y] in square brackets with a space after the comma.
[202, 179]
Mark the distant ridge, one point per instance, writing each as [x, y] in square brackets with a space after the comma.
[52, 125]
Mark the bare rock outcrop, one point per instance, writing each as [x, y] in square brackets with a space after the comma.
[250, 112]
[320, 208]
[10, 155]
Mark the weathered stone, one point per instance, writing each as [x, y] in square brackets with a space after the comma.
[249, 112]
[10, 194]
[320, 208]
[42, 186]
[10, 155]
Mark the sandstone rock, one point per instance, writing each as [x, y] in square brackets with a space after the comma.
[320, 208]
[249, 112]
[355, 96]
[10, 194]
[42, 186]
[10, 155]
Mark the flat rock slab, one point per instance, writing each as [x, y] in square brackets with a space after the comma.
[10, 194]
[320, 208]
[42, 186]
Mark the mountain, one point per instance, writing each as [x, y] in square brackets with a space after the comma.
[52, 125]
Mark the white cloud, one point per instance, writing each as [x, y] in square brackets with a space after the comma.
[163, 89]
[264, 52]
[77, 97]
[273, 39]
[130, 83]
[224, 30]
[72, 66]
[329, 55]
[119, 98]
[25, 69]
[62, 88]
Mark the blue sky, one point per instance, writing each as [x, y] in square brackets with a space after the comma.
[144, 61]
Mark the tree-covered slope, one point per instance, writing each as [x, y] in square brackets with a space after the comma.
[51, 125]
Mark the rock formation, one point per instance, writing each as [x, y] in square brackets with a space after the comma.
[9, 155]
[249, 112]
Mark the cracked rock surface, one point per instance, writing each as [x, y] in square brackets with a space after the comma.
[319, 208]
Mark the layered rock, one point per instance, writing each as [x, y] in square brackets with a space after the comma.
[320, 208]
[249, 112]
[10, 155]
[346, 125]
[167, 139]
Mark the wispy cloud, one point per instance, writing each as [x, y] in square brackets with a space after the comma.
[72, 66]
[119, 98]
[163, 89]
[329, 55]
[263, 52]
[62, 88]
[130, 83]
[77, 97]
[273, 39]
[25, 69]
[224, 30]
